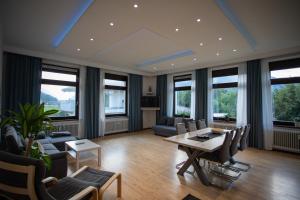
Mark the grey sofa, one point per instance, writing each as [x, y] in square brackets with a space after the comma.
[53, 145]
[166, 126]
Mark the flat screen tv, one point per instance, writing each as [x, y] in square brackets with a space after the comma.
[149, 101]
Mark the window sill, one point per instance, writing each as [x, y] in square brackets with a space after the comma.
[224, 122]
[284, 126]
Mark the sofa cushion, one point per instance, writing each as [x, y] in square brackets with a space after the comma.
[170, 121]
[60, 134]
[11, 131]
[59, 142]
[162, 121]
[163, 130]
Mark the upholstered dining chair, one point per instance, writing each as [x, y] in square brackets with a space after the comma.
[220, 157]
[180, 128]
[201, 124]
[192, 126]
[242, 146]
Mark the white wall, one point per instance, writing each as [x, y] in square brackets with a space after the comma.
[149, 116]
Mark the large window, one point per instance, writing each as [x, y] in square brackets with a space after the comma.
[115, 95]
[225, 82]
[182, 95]
[285, 80]
[60, 90]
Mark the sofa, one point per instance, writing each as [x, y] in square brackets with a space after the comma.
[51, 144]
[166, 126]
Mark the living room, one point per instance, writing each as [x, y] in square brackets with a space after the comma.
[152, 99]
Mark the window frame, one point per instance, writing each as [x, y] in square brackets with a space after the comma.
[63, 70]
[281, 65]
[112, 87]
[221, 73]
[185, 77]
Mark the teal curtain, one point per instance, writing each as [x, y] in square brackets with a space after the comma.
[254, 104]
[161, 92]
[21, 81]
[201, 94]
[135, 122]
[91, 109]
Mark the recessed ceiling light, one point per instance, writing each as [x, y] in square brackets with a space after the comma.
[78, 49]
[198, 20]
[234, 50]
[177, 29]
[201, 44]
[92, 39]
[172, 64]
[194, 59]
[111, 24]
[220, 38]
[217, 53]
[135, 5]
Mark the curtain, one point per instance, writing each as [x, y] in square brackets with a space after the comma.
[21, 81]
[161, 92]
[210, 111]
[241, 118]
[91, 109]
[201, 94]
[102, 106]
[135, 122]
[267, 106]
[254, 103]
[193, 96]
[82, 86]
[170, 94]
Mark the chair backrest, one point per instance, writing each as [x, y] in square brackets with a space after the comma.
[21, 177]
[244, 138]
[201, 124]
[180, 128]
[224, 152]
[235, 141]
[192, 126]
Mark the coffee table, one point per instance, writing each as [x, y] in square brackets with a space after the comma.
[81, 150]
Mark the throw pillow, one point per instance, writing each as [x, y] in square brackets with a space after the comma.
[60, 134]
[11, 131]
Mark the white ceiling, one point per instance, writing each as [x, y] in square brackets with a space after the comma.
[147, 34]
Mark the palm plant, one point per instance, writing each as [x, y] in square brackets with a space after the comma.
[31, 119]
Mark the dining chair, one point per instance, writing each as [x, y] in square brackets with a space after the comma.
[220, 157]
[201, 124]
[180, 128]
[192, 126]
[242, 146]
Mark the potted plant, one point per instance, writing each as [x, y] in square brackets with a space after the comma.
[297, 121]
[31, 120]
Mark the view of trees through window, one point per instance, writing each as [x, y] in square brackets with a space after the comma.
[183, 102]
[182, 95]
[224, 102]
[286, 101]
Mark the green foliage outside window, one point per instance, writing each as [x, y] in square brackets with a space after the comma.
[286, 101]
[224, 101]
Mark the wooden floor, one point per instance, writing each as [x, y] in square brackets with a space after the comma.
[147, 164]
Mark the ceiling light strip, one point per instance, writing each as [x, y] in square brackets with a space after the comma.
[69, 25]
[233, 18]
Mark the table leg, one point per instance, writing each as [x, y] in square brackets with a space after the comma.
[99, 156]
[192, 160]
[77, 160]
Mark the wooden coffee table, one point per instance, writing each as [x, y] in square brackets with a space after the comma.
[81, 150]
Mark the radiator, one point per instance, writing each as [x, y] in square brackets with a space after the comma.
[71, 126]
[287, 139]
[115, 125]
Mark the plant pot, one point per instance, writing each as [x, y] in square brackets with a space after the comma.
[297, 124]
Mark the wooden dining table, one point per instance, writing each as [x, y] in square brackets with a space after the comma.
[194, 149]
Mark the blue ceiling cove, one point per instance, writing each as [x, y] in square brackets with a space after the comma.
[69, 25]
[173, 56]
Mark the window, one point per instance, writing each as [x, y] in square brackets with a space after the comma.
[225, 82]
[285, 80]
[182, 95]
[60, 90]
[115, 95]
